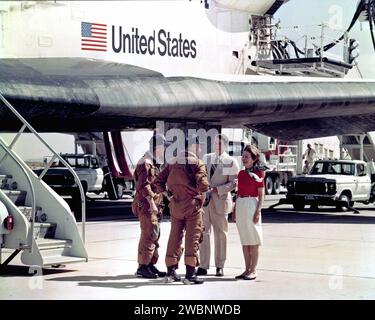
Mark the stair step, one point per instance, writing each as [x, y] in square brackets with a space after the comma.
[44, 230]
[64, 251]
[27, 211]
[17, 196]
[46, 244]
[5, 176]
[48, 261]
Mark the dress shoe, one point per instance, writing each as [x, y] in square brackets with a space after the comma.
[219, 272]
[193, 280]
[144, 271]
[251, 276]
[172, 276]
[191, 276]
[155, 270]
[201, 272]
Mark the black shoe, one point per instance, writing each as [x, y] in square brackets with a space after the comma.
[172, 276]
[155, 270]
[193, 280]
[201, 272]
[144, 271]
[219, 272]
[191, 276]
[240, 277]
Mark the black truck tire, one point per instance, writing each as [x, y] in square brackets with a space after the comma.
[298, 205]
[268, 185]
[346, 198]
[276, 186]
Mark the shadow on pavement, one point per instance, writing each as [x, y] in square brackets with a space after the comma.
[16, 271]
[96, 281]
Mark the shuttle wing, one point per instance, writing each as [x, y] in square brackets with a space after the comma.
[80, 95]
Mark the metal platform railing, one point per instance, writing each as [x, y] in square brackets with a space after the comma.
[55, 156]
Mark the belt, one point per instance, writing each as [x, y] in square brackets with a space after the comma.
[246, 197]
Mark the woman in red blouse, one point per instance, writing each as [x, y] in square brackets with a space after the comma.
[248, 205]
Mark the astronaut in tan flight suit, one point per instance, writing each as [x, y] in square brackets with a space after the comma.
[185, 178]
[148, 207]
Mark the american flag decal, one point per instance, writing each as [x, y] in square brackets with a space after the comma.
[93, 36]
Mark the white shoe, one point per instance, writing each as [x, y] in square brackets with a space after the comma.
[252, 276]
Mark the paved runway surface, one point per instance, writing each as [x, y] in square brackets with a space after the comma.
[308, 255]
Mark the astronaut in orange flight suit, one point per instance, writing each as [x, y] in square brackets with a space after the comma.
[185, 178]
[148, 207]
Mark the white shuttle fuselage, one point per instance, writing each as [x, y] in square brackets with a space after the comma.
[173, 37]
[207, 39]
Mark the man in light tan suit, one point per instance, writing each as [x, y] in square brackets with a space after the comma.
[222, 172]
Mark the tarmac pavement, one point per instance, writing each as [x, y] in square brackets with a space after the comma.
[307, 255]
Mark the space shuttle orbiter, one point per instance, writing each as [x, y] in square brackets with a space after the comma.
[176, 61]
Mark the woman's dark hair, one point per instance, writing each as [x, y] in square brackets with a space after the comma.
[253, 151]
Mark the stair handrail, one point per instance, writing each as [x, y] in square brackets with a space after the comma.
[30, 234]
[66, 164]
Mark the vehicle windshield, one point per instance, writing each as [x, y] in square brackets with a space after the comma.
[333, 168]
[78, 162]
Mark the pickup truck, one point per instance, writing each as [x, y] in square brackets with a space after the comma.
[92, 177]
[87, 168]
[337, 183]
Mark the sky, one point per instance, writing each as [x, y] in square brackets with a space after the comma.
[295, 12]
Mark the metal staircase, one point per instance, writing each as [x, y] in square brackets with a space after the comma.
[359, 146]
[45, 230]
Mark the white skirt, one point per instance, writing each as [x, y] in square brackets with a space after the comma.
[250, 234]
